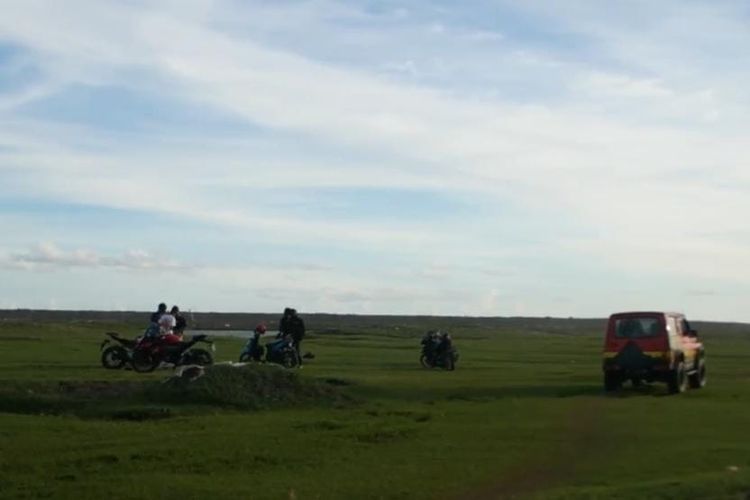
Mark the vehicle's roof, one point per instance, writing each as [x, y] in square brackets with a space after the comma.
[647, 313]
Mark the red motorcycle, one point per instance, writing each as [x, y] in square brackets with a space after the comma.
[150, 352]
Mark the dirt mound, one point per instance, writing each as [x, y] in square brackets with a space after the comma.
[246, 387]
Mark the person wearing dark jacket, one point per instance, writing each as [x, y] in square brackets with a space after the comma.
[161, 311]
[180, 321]
[291, 324]
[297, 331]
[284, 322]
[445, 343]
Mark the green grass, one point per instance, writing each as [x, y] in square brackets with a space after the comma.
[522, 416]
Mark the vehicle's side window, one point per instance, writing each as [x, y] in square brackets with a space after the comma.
[685, 326]
[672, 326]
[679, 330]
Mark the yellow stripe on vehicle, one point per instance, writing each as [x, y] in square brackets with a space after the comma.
[650, 354]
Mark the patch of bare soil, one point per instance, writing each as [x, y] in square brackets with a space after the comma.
[584, 431]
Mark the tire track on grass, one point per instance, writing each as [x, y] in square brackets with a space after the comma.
[585, 431]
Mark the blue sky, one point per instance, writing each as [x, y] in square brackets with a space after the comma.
[478, 158]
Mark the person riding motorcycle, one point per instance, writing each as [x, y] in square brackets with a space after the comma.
[444, 344]
[160, 311]
[153, 328]
[253, 350]
[167, 324]
[180, 321]
[430, 341]
[438, 350]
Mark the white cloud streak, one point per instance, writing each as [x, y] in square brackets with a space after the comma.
[49, 256]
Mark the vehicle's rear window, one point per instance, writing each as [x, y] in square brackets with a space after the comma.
[634, 328]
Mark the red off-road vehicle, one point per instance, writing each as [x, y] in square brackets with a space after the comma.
[653, 346]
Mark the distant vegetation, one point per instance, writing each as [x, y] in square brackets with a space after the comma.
[329, 323]
[344, 323]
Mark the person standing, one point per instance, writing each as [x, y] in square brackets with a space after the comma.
[296, 328]
[284, 322]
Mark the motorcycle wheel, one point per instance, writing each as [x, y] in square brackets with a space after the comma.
[289, 360]
[144, 362]
[448, 363]
[425, 361]
[114, 357]
[198, 357]
[245, 357]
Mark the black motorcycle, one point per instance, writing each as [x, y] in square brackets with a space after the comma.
[150, 352]
[438, 351]
[282, 352]
[116, 351]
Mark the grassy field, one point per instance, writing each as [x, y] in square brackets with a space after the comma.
[523, 416]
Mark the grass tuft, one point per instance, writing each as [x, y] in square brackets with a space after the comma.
[247, 387]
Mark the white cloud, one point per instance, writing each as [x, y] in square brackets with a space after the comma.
[485, 36]
[625, 86]
[49, 256]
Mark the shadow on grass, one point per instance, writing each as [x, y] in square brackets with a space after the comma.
[105, 400]
[629, 391]
[482, 394]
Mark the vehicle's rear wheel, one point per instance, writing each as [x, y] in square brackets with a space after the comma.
[114, 357]
[144, 361]
[425, 361]
[448, 363]
[198, 357]
[677, 379]
[612, 381]
[289, 360]
[698, 378]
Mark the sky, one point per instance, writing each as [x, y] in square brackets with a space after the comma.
[491, 158]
